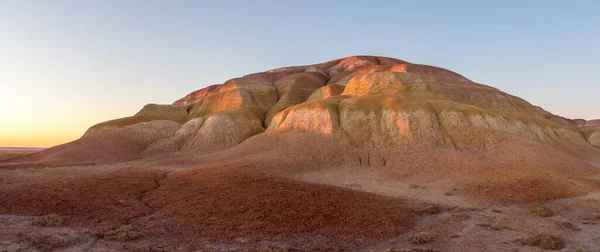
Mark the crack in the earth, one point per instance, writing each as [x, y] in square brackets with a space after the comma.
[146, 203]
[141, 199]
[92, 244]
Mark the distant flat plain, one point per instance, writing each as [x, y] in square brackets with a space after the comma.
[11, 152]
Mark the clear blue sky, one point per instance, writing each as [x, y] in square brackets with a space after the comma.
[65, 65]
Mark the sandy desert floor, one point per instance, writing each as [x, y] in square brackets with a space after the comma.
[207, 202]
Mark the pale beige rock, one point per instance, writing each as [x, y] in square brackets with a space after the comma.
[224, 130]
[594, 139]
[318, 116]
[147, 133]
[165, 112]
[370, 124]
[175, 142]
[148, 113]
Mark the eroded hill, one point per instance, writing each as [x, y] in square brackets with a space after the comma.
[297, 155]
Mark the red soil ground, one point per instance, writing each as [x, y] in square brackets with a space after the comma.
[100, 200]
[224, 205]
[216, 204]
[249, 194]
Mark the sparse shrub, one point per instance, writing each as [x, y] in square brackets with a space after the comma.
[326, 248]
[483, 224]
[411, 250]
[598, 217]
[276, 249]
[581, 250]
[494, 210]
[544, 241]
[542, 211]
[138, 248]
[48, 243]
[48, 220]
[464, 209]
[566, 225]
[496, 226]
[421, 238]
[448, 194]
[431, 209]
[460, 217]
[122, 233]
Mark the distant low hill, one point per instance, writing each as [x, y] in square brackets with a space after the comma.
[20, 149]
[14, 152]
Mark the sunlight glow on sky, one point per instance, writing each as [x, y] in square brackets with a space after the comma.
[67, 65]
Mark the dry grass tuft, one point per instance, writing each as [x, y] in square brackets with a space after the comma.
[460, 217]
[542, 212]
[139, 248]
[483, 224]
[465, 209]
[410, 250]
[277, 249]
[421, 238]
[122, 233]
[48, 220]
[586, 222]
[496, 226]
[566, 225]
[431, 209]
[48, 243]
[324, 248]
[544, 241]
